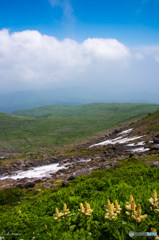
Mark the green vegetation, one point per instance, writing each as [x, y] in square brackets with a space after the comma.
[34, 214]
[9, 196]
[94, 110]
[65, 125]
[149, 123]
[33, 217]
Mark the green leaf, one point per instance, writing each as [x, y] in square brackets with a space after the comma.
[89, 227]
[72, 227]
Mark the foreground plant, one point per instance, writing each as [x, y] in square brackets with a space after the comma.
[137, 216]
[65, 210]
[132, 211]
[64, 213]
[87, 210]
[130, 206]
[154, 201]
[57, 214]
[112, 211]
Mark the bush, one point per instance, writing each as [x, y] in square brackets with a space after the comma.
[9, 196]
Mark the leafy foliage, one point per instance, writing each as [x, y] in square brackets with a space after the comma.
[34, 216]
[9, 196]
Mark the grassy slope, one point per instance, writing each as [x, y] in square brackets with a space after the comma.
[37, 209]
[149, 123]
[134, 177]
[93, 110]
[65, 125]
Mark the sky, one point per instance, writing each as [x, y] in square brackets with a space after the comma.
[112, 45]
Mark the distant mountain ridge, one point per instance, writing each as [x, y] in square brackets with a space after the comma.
[92, 110]
[20, 100]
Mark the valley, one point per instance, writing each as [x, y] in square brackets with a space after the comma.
[127, 154]
[51, 127]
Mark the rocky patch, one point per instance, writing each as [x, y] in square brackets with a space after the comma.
[156, 138]
[155, 164]
[155, 147]
[80, 164]
[28, 185]
[83, 171]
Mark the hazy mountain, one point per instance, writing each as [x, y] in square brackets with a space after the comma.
[12, 101]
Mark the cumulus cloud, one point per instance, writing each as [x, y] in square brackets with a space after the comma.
[31, 57]
[105, 49]
[30, 60]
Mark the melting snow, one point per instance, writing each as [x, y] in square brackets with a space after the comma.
[45, 171]
[126, 131]
[141, 149]
[135, 144]
[88, 160]
[40, 172]
[117, 140]
[37, 172]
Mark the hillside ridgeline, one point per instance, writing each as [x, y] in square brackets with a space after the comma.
[52, 127]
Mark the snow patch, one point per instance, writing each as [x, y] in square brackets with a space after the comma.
[117, 140]
[36, 172]
[135, 144]
[141, 149]
[126, 131]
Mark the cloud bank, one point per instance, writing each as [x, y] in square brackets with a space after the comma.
[29, 60]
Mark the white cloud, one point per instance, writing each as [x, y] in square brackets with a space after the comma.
[29, 60]
[30, 56]
[101, 49]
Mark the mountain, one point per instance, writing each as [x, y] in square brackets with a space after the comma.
[12, 101]
[94, 111]
[57, 125]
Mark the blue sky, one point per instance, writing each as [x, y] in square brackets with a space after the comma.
[133, 22]
[60, 42]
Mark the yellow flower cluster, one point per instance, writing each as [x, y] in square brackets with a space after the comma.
[64, 212]
[111, 210]
[87, 210]
[154, 201]
[135, 213]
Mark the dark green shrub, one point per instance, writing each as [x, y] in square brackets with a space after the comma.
[9, 196]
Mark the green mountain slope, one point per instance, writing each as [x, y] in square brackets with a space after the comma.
[93, 110]
[31, 214]
[65, 124]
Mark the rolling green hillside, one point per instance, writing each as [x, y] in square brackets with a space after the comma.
[65, 124]
[93, 110]
[31, 213]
